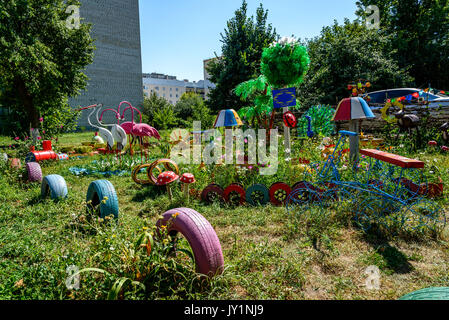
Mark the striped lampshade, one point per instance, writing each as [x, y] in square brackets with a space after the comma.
[228, 118]
[351, 109]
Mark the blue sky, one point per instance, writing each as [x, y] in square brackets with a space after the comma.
[177, 35]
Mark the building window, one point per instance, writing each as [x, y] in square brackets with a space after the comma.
[163, 88]
[157, 88]
[170, 89]
[176, 96]
[176, 89]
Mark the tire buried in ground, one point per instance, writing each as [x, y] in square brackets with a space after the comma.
[200, 235]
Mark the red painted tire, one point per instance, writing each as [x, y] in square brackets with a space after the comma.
[235, 187]
[201, 236]
[34, 172]
[279, 193]
[212, 193]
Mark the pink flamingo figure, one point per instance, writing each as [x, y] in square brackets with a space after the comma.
[139, 130]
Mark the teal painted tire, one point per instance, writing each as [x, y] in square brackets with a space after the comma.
[96, 200]
[54, 186]
[257, 195]
[433, 293]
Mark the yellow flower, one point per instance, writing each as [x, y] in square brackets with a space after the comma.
[176, 214]
[103, 201]
[105, 198]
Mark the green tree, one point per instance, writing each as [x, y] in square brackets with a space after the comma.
[243, 43]
[42, 59]
[191, 107]
[151, 105]
[343, 54]
[420, 36]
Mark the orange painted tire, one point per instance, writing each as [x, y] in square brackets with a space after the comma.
[168, 164]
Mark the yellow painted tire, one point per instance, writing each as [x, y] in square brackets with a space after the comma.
[388, 105]
[168, 164]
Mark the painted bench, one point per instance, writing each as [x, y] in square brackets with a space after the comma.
[391, 158]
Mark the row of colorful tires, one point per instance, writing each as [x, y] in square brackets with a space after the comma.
[257, 194]
[102, 199]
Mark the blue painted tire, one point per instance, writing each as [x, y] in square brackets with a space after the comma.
[55, 186]
[434, 293]
[96, 193]
[261, 192]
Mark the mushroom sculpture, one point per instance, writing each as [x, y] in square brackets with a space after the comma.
[187, 179]
[165, 179]
[353, 110]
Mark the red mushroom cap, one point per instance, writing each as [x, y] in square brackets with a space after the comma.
[433, 143]
[166, 177]
[444, 148]
[187, 178]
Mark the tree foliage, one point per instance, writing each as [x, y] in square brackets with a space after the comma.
[41, 60]
[343, 54]
[243, 43]
[151, 105]
[420, 36]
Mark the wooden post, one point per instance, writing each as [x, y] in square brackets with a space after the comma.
[287, 141]
[354, 141]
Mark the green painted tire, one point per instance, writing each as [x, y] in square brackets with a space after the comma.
[433, 293]
[96, 194]
[257, 194]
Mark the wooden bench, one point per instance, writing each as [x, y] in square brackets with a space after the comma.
[394, 159]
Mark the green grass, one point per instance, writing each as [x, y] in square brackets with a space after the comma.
[267, 254]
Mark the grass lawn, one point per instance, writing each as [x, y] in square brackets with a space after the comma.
[267, 255]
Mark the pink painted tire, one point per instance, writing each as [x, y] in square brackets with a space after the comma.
[201, 236]
[34, 172]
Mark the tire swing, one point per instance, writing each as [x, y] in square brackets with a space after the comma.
[257, 195]
[102, 199]
[235, 194]
[34, 172]
[212, 193]
[200, 235]
[54, 186]
[279, 193]
[384, 111]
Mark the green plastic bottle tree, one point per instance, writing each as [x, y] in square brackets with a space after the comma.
[284, 64]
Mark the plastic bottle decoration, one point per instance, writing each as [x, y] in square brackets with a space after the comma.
[284, 64]
[310, 133]
[290, 119]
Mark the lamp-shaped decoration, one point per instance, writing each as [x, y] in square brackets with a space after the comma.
[353, 110]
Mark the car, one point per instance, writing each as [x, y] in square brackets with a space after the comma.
[377, 99]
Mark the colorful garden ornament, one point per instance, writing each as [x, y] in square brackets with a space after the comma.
[228, 118]
[165, 179]
[186, 180]
[289, 119]
[352, 110]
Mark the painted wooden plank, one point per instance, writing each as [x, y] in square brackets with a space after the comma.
[392, 158]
